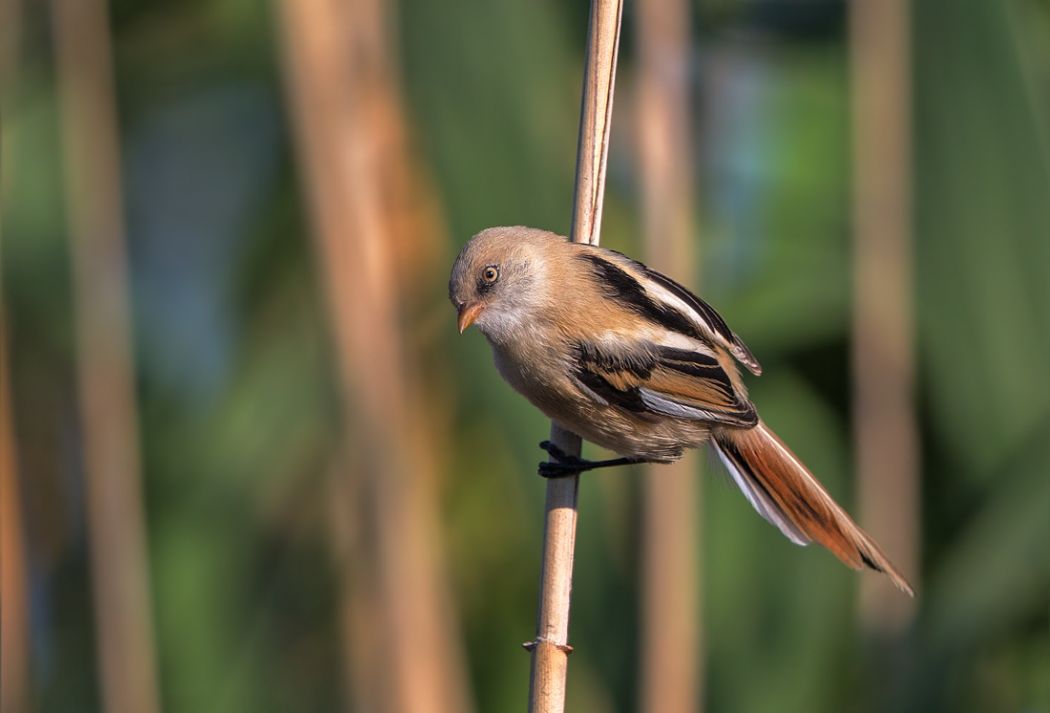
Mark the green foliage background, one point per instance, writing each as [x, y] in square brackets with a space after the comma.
[237, 390]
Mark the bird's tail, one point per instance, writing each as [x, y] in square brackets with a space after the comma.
[784, 492]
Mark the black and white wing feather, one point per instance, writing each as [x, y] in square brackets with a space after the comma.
[660, 298]
[652, 380]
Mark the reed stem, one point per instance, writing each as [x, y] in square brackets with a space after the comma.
[551, 648]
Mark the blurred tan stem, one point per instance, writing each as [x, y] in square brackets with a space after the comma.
[883, 362]
[14, 621]
[671, 674]
[14, 593]
[551, 649]
[343, 85]
[359, 596]
[109, 420]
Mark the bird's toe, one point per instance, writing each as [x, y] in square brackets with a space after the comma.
[556, 469]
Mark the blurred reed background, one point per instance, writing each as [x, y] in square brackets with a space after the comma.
[246, 463]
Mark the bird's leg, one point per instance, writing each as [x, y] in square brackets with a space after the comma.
[565, 465]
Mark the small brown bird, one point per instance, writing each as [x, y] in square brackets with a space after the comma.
[632, 361]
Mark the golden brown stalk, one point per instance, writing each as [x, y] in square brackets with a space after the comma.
[671, 674]
[14, 620]
[551, 648]
[109, 419]
[885, 430]
[343, 86]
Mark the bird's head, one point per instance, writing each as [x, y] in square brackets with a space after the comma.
[498, 282]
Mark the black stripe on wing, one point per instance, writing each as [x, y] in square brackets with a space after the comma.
[627, 399]
[638, 363]
[595, 367]
[709, 315]
[631, 380]
[619, 285]
[718, 325]
[702, 366]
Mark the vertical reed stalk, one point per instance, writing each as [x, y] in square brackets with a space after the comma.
[551, 649]
[109, 420]
[343, 86]
[883, 363]
[14, 634]
[14, 620]
[671, 657]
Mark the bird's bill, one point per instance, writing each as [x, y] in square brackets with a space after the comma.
[467, 315]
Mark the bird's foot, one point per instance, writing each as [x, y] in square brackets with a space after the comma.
[565, 465]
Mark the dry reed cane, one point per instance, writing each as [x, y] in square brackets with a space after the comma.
[551, 649]
[885, 429]
[105, 366]
[671, 663]
[343, 88]
[14, 620]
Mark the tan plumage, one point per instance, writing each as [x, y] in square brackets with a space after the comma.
[632, 361]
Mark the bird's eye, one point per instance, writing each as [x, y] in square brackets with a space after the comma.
[490, 274]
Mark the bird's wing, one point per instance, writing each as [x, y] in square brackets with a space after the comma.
[662, 300]
[650, 379]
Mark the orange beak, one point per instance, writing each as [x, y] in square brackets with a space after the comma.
[467, 315]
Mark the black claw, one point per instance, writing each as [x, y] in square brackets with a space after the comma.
[555, 452]
[564, 465]
[549, 469]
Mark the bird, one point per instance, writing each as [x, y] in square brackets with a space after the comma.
[632, 361]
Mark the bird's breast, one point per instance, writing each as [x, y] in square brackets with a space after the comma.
[539, 372]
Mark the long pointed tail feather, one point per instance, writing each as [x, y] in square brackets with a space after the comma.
[785, 493]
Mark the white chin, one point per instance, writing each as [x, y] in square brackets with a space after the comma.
[501, 326]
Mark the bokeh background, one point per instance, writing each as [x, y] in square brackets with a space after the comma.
[249, 465]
